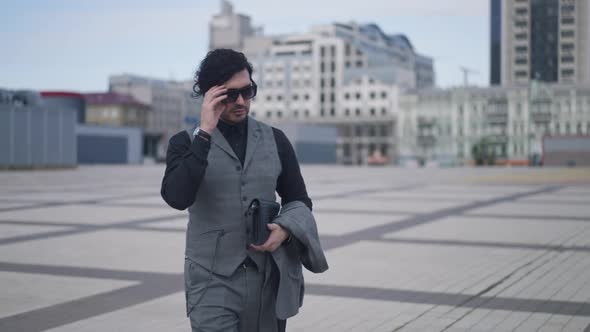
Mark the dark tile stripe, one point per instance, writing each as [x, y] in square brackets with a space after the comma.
[483, 244]
[529, 217]
[377, 232]
[448, 299]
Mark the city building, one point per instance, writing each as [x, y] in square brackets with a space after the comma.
[345, 75]
[379, 93]
[173, 107]
[545, 40]
[228, 30]
[114, 109]
[444, 125]
[38, 131]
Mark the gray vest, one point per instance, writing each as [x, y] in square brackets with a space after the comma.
[217, 236]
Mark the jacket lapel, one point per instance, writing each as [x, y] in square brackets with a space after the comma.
[254, 133]
[219, 140]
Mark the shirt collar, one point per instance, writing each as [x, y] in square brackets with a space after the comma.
[227, 128]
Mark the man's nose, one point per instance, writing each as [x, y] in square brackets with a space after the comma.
[240, 100]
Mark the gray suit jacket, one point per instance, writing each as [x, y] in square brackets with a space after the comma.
[305, 248]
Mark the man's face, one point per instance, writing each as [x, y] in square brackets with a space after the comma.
[238, 110]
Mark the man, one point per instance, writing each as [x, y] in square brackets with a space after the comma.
[231, 284]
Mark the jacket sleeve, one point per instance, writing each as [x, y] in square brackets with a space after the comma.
[300, 223]
[186, 163]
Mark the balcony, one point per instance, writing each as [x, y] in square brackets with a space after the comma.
[497, 111]
[426, 140]
[424, 122]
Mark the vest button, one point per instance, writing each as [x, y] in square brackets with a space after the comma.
[238, 168]
[243, 183]
[244, 198]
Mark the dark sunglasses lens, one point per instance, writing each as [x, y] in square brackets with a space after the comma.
[231, 96]
[249, 92]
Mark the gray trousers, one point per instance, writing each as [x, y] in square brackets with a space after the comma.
[243, 302]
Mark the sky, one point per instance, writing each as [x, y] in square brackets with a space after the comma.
[75, 45]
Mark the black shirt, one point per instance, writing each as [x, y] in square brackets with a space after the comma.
[186, 163]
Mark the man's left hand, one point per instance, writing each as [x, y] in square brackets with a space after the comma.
[276, 237]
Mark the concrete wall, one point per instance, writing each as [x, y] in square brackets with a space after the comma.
[566, 151]
[32, 137]
[109, 145]
[312, 144]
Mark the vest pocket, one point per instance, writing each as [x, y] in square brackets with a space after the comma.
[197, 278]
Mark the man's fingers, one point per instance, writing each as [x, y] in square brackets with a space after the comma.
[215, 92]
[218, 99]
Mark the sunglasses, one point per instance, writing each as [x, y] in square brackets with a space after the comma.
[247, 92]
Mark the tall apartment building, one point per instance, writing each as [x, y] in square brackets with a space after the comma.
[171, 103]
[347, 75]
[228, 30]
[544, 40]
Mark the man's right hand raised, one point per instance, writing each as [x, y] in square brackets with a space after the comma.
[212, 108]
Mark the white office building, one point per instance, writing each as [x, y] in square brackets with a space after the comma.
[171, 102]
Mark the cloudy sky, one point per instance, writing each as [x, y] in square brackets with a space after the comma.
[77, 44]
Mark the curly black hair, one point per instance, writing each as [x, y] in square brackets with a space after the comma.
[218, 67]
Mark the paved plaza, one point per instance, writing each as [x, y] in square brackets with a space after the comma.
[461, 249]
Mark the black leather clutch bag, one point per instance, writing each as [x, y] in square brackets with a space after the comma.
[261, 213]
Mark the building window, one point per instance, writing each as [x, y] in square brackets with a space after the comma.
[359, 63]
[567, 58]
[569, 8]
[522, 11]
[372, 95]
[332, 97]
[521, 73]
[333, 66]
[567, 20]
[347, 112]
[322, 97]
[567, 33]
[372, 112]
[521, 61]
[306, 113]
[332, 82]
[279, 97]
[521, 36]
[268, 98]
[279, 114]
[520, 24]
[322, 51]
[521, 49]
[346, 96]
[296, 113]
[358, 95]
[383, 111]
[567, 72]
[332, 111]
[357, 111]
[322, 83]
[384, 95]
[268, 113]
[306, 96]
[295, 97]
[567, 47]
